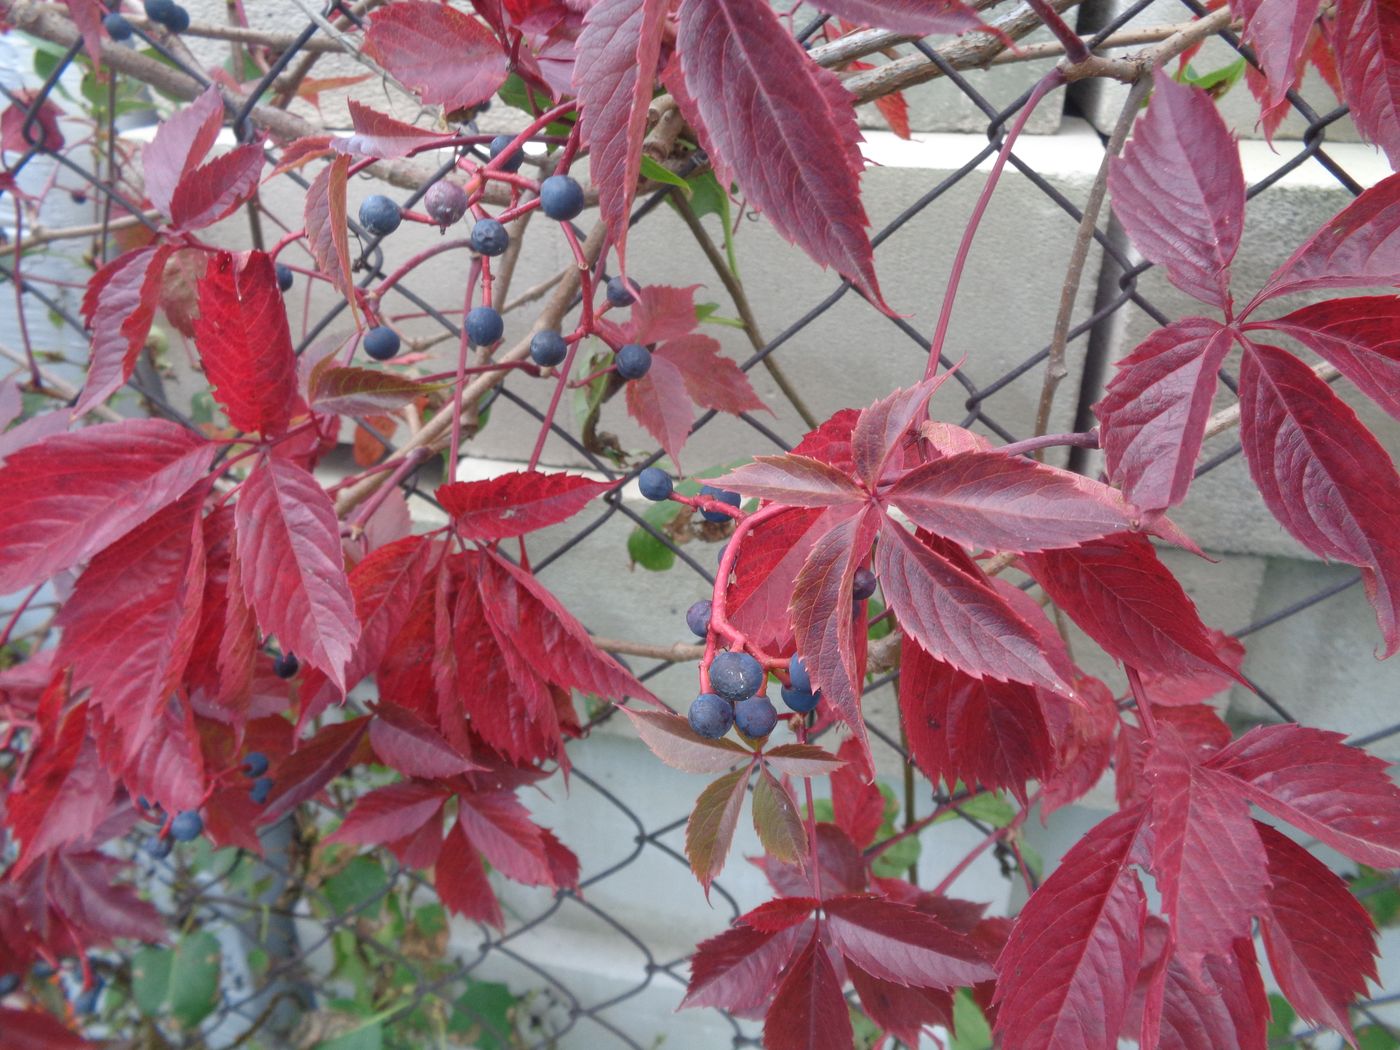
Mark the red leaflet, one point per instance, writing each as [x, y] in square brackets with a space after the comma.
[803, 760]
[44, 131]
[1084, 738]
[1367, 42]
[1322, 474]
[245, 343]
[1310, 778]
[447, 57]
[1356, 248]
[119, 306]
[809, 1011]
[411, 746]
[288, 542]
[377, 135]
[303, 774]
[1121, 594]
[1226, 1007]
[35, 1029]
[914, 17]
[1206, 855]
[1321, 942]
[1279, 32]
[180, 143]
[514, 504]
[461, 881]
[737, 969]
[831, 442]
[794, 480]
[903, 1012]
[983, 732]
[1361, 336]
[774, 553]
[1010, 503]
[327, 235]
[1069, 967]
[1179, 190]
[71, 495]
[214, 190]
[363, 391]
[499, 826]
[167, 764]
[614, 71]
[881, 428]
[710, 829]
[957, 617]
[130, 625]
[857, 804]
[1188, 688]
[391, 813]
[822, 616]
[1155, 413]
[776, 820]
[663, 408]
[780, 126]
[662, 312]
[673, 741]
[900, 944]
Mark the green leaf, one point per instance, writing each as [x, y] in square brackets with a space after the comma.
[989, 807]
[776, 819]
[645, 549]
[1281, 1019]
[973, 1031]
[657, 172]
[706, 313]
[514, 94]
[361, 881]
[1379, 894]
[366, 1037]
[1216, 82]
[867, 1032]
[884, 626]
[708, 197]
[182, 981]
[1374, 1037]
[1033, 859]
[485, 1014]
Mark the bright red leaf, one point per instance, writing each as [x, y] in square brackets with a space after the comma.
[809, 1011]
[1279, 32]
[447, 57]
[794, 480]
[119, 305]
[461, 881]
[516, 504]
[377, 135]
[737, 969]
[390, 813]
[215, 190]
[313, 765]
[181, 141]
[1366, 38]
[411, 746]
[327, 235]
[898, 943]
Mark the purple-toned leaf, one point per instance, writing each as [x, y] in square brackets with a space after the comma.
[449, 58]
[776, 820]
[614, 73]
[498, 824]
[364, 391]
[1068, 970]
[461, 881]
[898, 943]
[1361, 336]
[181, 141]
[801, 760]
[411, 746]
[673, 741]
[1320, 940]
[660, 403]
[738, 969]
[809, 1012]
[215, 190]
[118, 307]
[1178, 189]
[377, 135]
[780, 126]
[70, 495]
[390, 813]
[245, 342]
[794, 480]
[956, 617]
[1279, 31]
[1124, 598]
[1359, 247]
[288, 541]
[1155, 412]
[1323, 475]
[1227, 1006]
[1008, 503]
[882, 427]
[327, 235]
[1313, 780]
[710, 829]
[1366, 39]
[914, 17]
[517, 503]
[904, 1012]
[308, 769]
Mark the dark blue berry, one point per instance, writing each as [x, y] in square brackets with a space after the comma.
[158, 847]
[254, 764]
[619, 294]
[381, 343]
[186, 826]
[561, 197]
[8, 983]
[489, 237]
[284, 276]
[379, 215]
[118, 28]
[485, 326]
[179, 20]
[548, 348]
[864, 585]
[800, 700]
[655, 484]
[85, 1002]
[445, 202]
[42, 970]
[723, 496]
[286, 665]
[710, 716]
[755, 717]
[633, 361]
[262, 787]
[513, 160]
[735, 675]
[697, 617]
[160, 10]
[798, 676]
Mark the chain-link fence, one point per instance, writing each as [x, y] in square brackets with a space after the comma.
[489, 988]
